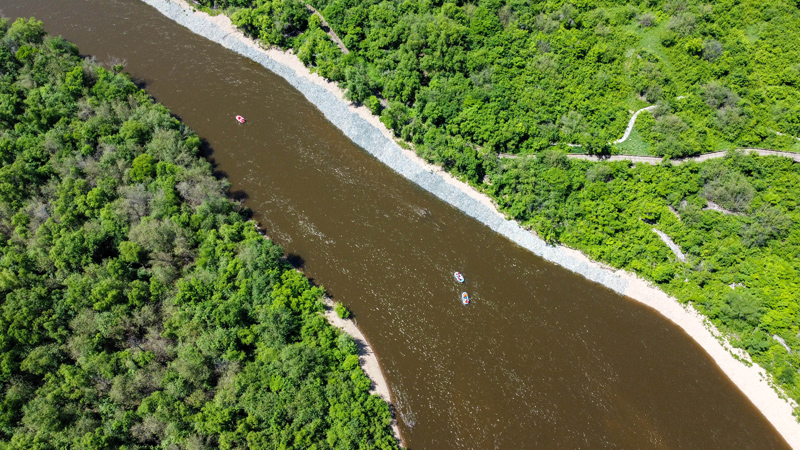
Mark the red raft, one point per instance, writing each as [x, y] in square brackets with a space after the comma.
[240, 119]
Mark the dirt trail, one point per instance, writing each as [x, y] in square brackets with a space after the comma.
[327, 28]
[655, 160]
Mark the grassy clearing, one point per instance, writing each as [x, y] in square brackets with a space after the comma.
[634, 145]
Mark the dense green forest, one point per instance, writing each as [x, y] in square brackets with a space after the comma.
[463, 82]
[139, 309]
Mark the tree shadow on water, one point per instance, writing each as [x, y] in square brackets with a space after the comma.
[141, 84]
[239, 196]
[296, 261]
[207, 152]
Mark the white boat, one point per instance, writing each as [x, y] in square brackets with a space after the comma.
[459, 277]
[464, 298]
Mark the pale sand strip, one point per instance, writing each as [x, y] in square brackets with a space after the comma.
[367, 358]
[367, 131]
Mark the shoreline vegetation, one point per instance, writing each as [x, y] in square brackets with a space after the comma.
[663, 288]
[139, 307]
[367, 359]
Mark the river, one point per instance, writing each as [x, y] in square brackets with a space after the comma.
[543, 358]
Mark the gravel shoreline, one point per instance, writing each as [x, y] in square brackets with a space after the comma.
[366, 131]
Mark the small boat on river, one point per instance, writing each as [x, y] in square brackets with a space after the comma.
[464, 298]
[459, 277]
[240, 119]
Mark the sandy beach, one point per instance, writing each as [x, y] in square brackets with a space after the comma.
[367, 358]
[368, 132]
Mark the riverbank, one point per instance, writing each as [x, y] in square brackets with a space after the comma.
[366, 131]
[367, 358]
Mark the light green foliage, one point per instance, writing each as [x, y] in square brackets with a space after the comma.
[23, 31]
[73, 82]
[341, 311]
[374, 105]
[272, 20]
[138, 309]
[130, 252]
[142, 168]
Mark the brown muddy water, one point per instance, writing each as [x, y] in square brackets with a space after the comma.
[541, 359]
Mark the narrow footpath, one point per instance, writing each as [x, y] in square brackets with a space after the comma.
[327, 28]
[656, 160]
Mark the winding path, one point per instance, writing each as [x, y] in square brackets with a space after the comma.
[784, 134]
[631, 123]
[635, 115]
[676, 249]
